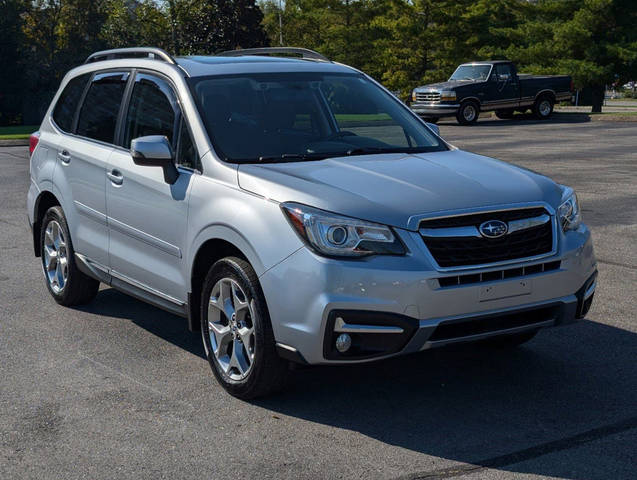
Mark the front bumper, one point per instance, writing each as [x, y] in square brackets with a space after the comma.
[434, 109]
[306, 294]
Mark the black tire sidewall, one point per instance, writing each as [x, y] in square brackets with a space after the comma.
[235, 269]
[460, 114]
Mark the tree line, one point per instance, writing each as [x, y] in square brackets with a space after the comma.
[402, 43]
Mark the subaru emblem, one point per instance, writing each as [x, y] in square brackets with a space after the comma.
[493, 229]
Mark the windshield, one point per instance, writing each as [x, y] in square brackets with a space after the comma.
[478, 73]
[305, 116]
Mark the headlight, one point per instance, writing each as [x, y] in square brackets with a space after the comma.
[334, 235]
[569, 211]
[447, 95]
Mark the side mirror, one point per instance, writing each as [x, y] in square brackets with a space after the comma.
[434, 127]
[155, 151]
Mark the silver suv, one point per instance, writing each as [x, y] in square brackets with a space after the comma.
[292, 209]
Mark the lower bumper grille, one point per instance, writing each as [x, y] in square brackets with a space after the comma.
[480, 326]
[450, 249]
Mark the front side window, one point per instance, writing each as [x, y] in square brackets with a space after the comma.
[153, 110]
[273, 117]
[64, 112]
[98, 115]
[473, 73]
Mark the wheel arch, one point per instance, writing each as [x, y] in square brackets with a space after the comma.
[46, 199]
[213, 244]
[475, 100]
[547, 92]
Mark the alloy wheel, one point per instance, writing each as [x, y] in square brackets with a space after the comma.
[231, 329]
[55, 257]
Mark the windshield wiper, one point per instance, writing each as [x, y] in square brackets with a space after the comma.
[292, 157]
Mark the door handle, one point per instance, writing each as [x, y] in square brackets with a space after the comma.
[115, 176]
[64, 157]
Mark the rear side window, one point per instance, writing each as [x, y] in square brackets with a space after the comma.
[98, 115]
[67, 104]
[153, 110]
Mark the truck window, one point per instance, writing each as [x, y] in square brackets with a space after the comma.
[503, 72]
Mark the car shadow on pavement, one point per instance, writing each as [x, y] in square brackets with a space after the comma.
[505, 409]
[523, 119]
[521, 410]
[112, 303]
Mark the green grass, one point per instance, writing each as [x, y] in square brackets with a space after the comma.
[16, 132]
[363, 117]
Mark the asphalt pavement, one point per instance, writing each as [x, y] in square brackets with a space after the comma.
[120, 389]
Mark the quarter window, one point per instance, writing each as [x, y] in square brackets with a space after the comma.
[64, 112]
[98, 116]
[152, 110]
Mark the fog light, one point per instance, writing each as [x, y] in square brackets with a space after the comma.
[343, 342]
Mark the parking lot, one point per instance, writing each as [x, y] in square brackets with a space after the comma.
[120, 389]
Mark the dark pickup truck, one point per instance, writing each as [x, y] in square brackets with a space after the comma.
[491, 85]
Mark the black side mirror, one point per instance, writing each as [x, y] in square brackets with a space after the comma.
[155, 151]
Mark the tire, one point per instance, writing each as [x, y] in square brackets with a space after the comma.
[243, 357]
[66, 283]
[508, 341]
[468, 113]
[543, 107]
[504, 114]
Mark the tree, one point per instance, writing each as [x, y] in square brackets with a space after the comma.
[11, 44]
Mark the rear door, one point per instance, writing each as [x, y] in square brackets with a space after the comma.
[147, 216]
[82, 155]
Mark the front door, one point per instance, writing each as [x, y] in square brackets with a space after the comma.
[504, 88]
[148, 217]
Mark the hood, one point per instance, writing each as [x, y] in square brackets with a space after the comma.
[398, 189]
[448, 85]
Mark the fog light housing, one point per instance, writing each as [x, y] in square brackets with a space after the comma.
[343, 342]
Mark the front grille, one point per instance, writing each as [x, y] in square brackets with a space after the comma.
[466, 251]
[427, 96]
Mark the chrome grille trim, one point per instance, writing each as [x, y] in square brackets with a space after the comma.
[427, 96]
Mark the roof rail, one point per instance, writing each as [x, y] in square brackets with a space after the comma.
[303, 52]
[135, 52]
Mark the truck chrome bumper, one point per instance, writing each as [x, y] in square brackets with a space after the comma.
[434, 109]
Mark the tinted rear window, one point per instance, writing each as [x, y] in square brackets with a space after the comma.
[68, 102]
[98, 116]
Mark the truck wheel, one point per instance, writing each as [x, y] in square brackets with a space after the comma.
[67, 285]
[543, 107]
[504, 114]
[237, 333]
[468, 113]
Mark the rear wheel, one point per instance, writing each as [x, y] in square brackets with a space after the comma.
[504, 114]
[543, 107]
[508, 341]
[468, 113]
[237, 332]
[66, 284]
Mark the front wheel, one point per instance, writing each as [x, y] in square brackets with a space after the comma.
[65, 282]
[468, 113]
[237, 332]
